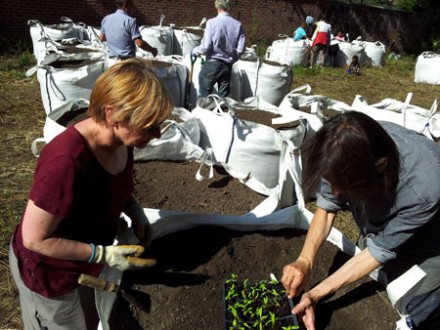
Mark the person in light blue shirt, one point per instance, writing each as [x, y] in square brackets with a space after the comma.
[223, 43]
[389, 178]
[300, 32]
[122, 34]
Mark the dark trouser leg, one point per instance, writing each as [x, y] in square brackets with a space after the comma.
[313, 53]
[208, 77]
[421, 307]
[224, 80]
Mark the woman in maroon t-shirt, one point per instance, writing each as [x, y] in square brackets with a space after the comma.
[82, 183]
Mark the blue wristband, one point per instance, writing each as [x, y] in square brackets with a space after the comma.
[93, 252]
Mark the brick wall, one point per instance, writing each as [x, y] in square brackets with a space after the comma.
[263, 20]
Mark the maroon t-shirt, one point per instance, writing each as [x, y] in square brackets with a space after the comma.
[70, 182]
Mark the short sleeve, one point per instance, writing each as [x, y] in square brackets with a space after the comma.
[53, 185]
[134, 30]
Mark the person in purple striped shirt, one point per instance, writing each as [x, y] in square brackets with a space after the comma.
[223, 43]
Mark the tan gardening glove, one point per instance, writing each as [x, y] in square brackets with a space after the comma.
[140, 224]
[123, 257]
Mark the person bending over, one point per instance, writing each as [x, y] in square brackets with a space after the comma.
[388, 177]
[83, 181]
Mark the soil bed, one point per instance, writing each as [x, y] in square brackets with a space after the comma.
[184, 290]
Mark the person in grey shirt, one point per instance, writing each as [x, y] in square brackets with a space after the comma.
[122, 34]
[389, 178]
[223, 43]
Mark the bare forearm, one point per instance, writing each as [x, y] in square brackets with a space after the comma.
[38, 235]
[145, 46]
[296, 275]
[354, 269]
[61, 248]
[319, 229]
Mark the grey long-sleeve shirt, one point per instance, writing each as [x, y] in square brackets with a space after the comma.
[405, 232]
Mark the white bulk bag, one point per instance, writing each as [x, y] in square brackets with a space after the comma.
[300, 97]
[57, 121]
[419, 119]
[159, 37]
[428, 68]
[290, 52]
[248, 149]
[404, 114]
[57, 38]
[62, 82]
[179, 141]
[194, 69]
[64, 30]
[348, 50]
[268, 80]
[375, 54]
[172, 71]
[94, 33]
[186, 39]
[236, 89]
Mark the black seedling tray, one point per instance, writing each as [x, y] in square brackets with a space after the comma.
[246, 303]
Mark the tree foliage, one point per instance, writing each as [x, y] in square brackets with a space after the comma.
[410, 5]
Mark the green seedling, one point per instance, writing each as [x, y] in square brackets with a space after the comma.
[255, 305]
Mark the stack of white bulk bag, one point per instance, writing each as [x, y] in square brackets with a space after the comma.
[65, 39]
[159, 37]
[374, 55]
[428, 68]
[268, 80]
[94, 33]
[348, 50]
[290, 52]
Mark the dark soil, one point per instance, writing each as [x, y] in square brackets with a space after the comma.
[184, 290]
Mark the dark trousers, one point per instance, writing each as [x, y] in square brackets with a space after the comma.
[212, 72]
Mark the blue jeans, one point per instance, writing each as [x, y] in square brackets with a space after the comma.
[212, 72]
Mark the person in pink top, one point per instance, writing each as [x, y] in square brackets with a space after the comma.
[321, 42]
[340, 37]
